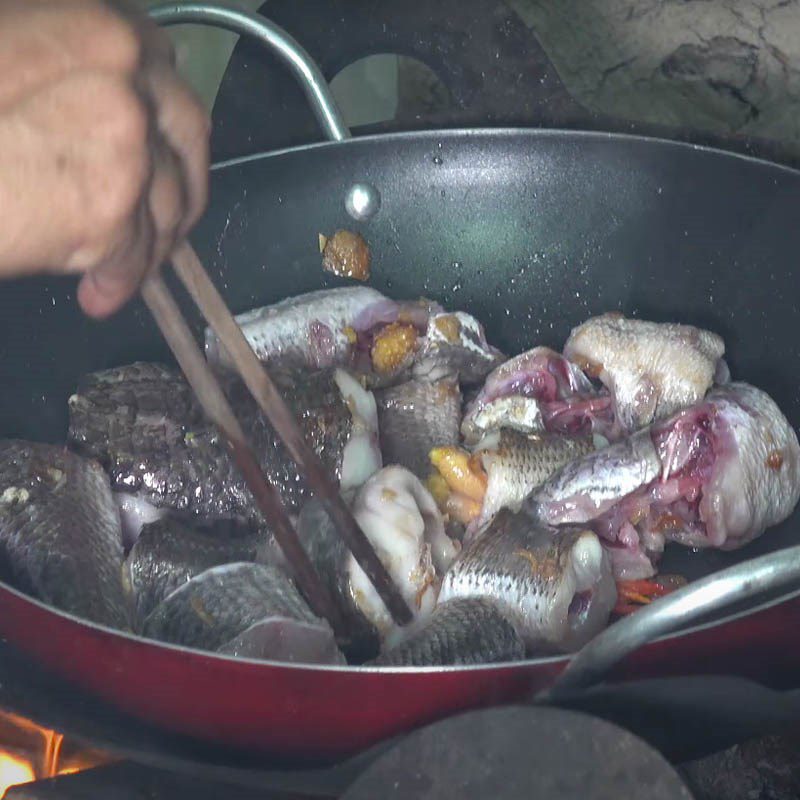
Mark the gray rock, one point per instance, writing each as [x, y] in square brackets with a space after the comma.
[725, 66]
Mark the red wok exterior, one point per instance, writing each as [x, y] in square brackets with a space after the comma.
[325, 713]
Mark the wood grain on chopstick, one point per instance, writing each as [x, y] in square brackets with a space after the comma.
[194, 277]
[216, 406]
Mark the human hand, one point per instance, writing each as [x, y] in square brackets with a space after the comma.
[103, 149]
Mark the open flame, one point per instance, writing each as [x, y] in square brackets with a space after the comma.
[29, 752]
[13, 771]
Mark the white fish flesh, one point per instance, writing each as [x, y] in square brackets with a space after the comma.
[652, 369]
[536, 391]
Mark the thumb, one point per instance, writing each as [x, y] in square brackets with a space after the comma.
[107, 287]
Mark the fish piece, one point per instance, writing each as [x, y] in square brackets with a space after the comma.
[168, 553]
[652, 369]
[455, 346]
[145, 426]
[383, 340]
[717, 474]
[516, 464]
[501, 472]
[555, 588]
[730, 470]
[415, 417]
[460, 632]
[536, 391]
[585, 488]
[246, 610]
[309, 331]
[143, 401]
[322, 329]
[403, 524]
[60, 537]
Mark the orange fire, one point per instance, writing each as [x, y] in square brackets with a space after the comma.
[13, 771]
[37, 753]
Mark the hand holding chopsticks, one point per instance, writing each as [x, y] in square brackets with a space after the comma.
[191, 360]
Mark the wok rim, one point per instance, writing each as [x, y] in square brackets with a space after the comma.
[453, 134]
[519, 131]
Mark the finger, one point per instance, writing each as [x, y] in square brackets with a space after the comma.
[166, 200]
[105, 289]
[184, 124]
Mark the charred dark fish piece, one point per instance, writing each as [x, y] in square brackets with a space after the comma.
[168, 553]
[458, 632]
[556, 588]
[144, 425]
[60, 536]
[245, 610]
[415, 417]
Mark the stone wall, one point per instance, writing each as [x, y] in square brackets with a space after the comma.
[728, 66]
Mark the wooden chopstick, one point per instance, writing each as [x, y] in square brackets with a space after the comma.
[191, 272]
[192, 362]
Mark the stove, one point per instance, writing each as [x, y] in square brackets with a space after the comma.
[73, 746]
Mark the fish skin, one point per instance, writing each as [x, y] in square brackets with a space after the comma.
[216, 608]
[146, 402]
[416, 416]
[458, 632]
[333, 327]
[516, 464]
[168, 553]
[584, 489]
[60, 536]
[144, 425]
[652, 369]
[307, 331]
[331, 558]
[534, 576]
[455, 346]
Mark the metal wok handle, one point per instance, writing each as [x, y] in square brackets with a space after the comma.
[273, 38]
[664, 615]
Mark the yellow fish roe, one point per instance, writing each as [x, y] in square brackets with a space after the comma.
[392, 346]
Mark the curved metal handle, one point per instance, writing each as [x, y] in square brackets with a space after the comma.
[276, 40]
[664, 615]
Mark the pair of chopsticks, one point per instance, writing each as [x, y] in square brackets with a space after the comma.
[192, 362]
